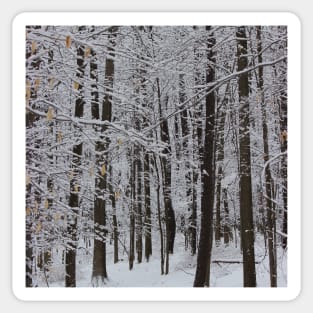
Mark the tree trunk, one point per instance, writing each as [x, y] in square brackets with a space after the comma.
[132, 183]
[202, 277]
[166, 175]
[245, 185]
[159, 215]
[167, 179]
[70, 254]
[219, 161]
[32, 64]
[113, 198]
[185, 129]
[268, 176]
[147, 220]
[284, 164]
[138, 205]
[227, 229]
[99, 272]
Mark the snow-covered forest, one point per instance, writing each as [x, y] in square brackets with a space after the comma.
[156, 156]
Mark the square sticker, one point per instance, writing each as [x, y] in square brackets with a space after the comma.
[150, 157]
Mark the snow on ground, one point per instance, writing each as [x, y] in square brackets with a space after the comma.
[182, 269]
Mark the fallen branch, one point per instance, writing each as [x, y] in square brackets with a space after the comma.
[231, 261]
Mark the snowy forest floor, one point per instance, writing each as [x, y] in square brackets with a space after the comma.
[181, 273]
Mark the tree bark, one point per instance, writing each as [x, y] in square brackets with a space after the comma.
[32, 64]
[70, 254]
[219, 160]
[159, 214]
[167, 182]
[132, 183]
[245, 185]
[113, 199]
[147, 219]
[185, 130]
[138, 205]
[99, 272]
[283, 108]
[202, 277]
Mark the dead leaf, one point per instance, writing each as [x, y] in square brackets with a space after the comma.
[70, 174]
[59, 136]
[50, 114]
[51, 82]
[38, 227]
[283, 136]
[116, 195]
[87, 52]
[37, 83]
[57, 217]
[76, 85]
[28, 86]
[28, 211]
[68, 41]
[36, 207]
[28, 180]
[34, 47]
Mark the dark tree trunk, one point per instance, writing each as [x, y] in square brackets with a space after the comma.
[177, 139]
[202, 277]
[218, 232]
[32, 64]
[166, 175]
[227, 229]
[138, 206]
[113, 198]
[70, 254]
[193, 222]
[245, 185]
[147, 220]
[99, 272]
[283, 148]
[29, 238]
[159, 215]
[99, 261]
[167, 181]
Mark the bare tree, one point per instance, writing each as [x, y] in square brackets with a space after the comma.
[245, 185]
[70, 255]
[202, 277]
[99, 272]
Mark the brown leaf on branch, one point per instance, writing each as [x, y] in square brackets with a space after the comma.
[34, 47]
[28, 86]
[50, 114]
[87, 52]
[283, 136]
[68, 41]
[28, 211]
[76, 85]
[37, 83]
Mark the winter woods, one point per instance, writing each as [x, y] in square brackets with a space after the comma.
[154, 145]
